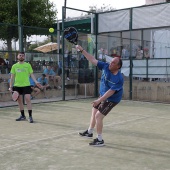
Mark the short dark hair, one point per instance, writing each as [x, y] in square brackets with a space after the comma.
[120, 63]
[43, 75]
[21, 52]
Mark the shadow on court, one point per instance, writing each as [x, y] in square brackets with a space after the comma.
[136, 137]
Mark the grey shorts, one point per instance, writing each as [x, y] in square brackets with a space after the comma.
[105, 107]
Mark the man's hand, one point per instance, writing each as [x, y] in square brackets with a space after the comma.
[79, 48]
[39, 85]
[96, 102]
[10, 89]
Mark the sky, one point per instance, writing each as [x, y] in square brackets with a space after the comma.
[84, 4]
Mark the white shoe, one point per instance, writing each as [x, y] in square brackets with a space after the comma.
[68, 78]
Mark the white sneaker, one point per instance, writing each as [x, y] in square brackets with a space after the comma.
[68, 78]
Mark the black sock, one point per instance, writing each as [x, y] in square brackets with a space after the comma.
[22, 113]
[30, 113]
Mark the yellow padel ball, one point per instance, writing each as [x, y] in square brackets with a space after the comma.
[51, 30]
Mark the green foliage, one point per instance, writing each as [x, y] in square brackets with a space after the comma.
[35, 13]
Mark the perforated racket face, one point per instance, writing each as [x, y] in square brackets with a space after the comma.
[15, 95]
[71, 35]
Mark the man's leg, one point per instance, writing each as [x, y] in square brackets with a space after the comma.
[93, 119]
[28, 101]
[55, 83]
[89, 133]
[99, 124]
[58, 79]
[37, 91]
[20, 102]
[21, 107]
[29, 107]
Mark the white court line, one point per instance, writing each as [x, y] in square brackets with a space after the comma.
[131, 120]
[34, 141]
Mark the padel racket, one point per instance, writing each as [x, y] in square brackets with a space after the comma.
[15, 95]
[71, 35]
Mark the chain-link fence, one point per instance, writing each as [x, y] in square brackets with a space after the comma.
[140, 36]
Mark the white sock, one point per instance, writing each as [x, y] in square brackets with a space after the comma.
[90, 130]
[99, 137]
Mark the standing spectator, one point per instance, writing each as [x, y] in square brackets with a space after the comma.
[60, 68]
[111, 91]
[66, 71]
[20, 73]
[44, 64]
[67, 65]
[7, 65]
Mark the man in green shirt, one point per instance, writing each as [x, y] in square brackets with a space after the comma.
[20, 73]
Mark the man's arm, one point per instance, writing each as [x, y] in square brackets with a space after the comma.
[36, 82]
[11, 82]
[104, 97]
[87, 55]
[33, 77]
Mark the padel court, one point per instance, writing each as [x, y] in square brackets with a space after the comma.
[136, 135]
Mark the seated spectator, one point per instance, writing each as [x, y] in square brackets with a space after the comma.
[35, 89]
[50, 75]
[44, 83]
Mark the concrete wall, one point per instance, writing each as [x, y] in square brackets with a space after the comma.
[142, 91]
[148, 91]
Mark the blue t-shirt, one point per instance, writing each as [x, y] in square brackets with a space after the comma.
[49, 72]
[42, 81]
[32, 83]
[110, 81]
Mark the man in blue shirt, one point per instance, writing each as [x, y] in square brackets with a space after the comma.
[44, 84]
[111, 91]
[34, 88]
[50, 75]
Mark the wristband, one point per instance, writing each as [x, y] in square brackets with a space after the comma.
[81, 50]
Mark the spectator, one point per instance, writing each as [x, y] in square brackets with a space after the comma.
[67, 65]
[50, 75]
[58, 78]
[7, 65]
[60, 70]
[44, 84]
[35, 89]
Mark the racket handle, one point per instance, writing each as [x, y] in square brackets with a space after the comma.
[76, 47]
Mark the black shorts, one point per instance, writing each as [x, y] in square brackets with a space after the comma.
[105, 107]
[23, 90]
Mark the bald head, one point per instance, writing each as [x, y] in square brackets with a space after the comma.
[115, 64]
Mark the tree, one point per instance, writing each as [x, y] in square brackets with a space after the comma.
[35, 13]
[101, 9]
